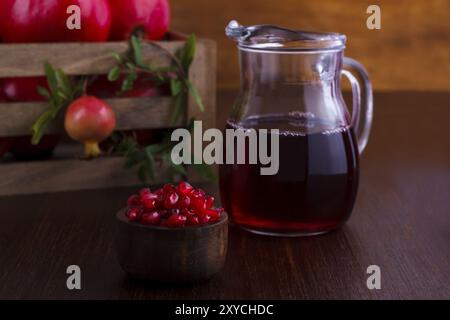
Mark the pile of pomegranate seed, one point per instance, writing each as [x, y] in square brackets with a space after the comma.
[172, 206]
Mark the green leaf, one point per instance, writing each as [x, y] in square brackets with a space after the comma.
[52, 79]
[79, 87]
[128, 83]
[114, 74]
[196, 95]
[130, 65]
[165, 69]
[117, 57]
[43, 92]
[180, 104]
[62, 95]
[175, 86]
[187, 54]
[205, 171]
[155, 148]
[39, 127]
[178, 168]
[64, 84]
[150, 163]
[137, 50]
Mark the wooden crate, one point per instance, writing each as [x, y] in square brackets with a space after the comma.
[62, 173]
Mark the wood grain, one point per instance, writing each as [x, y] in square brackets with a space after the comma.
[203, 77]
[74, 58]
[400, 222]
[411, 51]
[67, 174]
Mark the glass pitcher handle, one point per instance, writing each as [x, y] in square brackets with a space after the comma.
[360, 85]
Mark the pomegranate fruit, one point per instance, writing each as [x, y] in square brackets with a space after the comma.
[45, 21]
[172, 207]
[89, 120]
[152, 17]
[25, 90]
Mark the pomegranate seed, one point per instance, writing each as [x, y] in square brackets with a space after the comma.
[143, 192]
[149, 204]
[133, 214]
[134, 201]
[205, 219]
[171, 200]
[192, 220]
[148, 200]
[184, 188]
[199, 205]
[151, 218]
[176, 221]
[213, 214]
[173, 206]
[198, 193]
[168, 188]
[209, 202]
[184, 202]
[164, 213]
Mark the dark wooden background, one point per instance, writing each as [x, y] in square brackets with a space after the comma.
[410, 52]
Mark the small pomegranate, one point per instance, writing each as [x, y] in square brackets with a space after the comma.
[90, 120]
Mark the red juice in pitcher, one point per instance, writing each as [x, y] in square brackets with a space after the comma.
[314, 189]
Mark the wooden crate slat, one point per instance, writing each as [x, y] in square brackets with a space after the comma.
[132, 113]
[73, 174]
[203, 76]
[64, 175]
[22, 60]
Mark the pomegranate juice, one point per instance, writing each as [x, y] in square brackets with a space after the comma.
[314, 189]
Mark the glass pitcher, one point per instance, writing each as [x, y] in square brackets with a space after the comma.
[291, 81]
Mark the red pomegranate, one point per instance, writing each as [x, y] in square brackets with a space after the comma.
[151, 16]
[90, 120]
[23, 89]
[46, 21]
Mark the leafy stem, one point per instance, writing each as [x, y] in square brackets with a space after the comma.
[131, 63]
[62, 91]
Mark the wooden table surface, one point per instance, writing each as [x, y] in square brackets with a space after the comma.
[401, 222]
